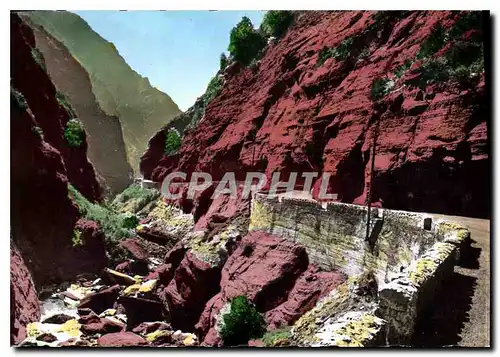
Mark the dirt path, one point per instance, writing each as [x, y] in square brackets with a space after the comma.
[461, 315]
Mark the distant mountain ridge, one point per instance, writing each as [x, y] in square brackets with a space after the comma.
[120, 91]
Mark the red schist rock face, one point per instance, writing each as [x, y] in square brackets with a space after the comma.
[43, 216]
[274, 274]
[24, 306]
[290, 114]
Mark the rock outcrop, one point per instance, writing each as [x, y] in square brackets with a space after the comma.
[274, 274]
[293, 112]
[120, 91]
[24, 306]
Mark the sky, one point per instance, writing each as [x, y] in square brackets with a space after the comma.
[178, 51]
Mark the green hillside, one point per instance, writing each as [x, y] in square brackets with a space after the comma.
[119, 90]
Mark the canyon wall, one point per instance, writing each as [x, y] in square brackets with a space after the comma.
[43, 216]
[294, 111]
[106, 148]
[119, 90]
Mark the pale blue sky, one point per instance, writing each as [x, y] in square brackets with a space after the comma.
[177, 50]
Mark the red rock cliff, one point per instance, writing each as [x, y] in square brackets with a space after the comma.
[42, 164]
[289, 113]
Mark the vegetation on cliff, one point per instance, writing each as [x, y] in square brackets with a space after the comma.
[114, 225]
[241, 323]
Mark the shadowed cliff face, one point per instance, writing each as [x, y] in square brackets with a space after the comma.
[43, 215]
[121, 92]
[293, 112]
[106, 147]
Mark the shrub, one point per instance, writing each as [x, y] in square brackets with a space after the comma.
[245, 42]
[17, 100]
[110, 222]
[77, 238]
[130, 220]
[402, 69]
[134, 198]
[464, 53]
[63, 101]
[213, 89]
[242, 323]
[434, 71]
[275, 23]
[468, 21]
[74, 133]
[38, 57]
[433, 42]
[380, 87]
[223, 61]
[172, 142]
[341, 52]
[279, 337]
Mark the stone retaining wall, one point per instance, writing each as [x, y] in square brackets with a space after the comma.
[408, 253]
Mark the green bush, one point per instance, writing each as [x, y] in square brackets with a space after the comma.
[17, 100]
[340, 53]
[223, 61]
[279, 337]
[134, 198]
[433, 43]
[464, 53]
[38, 57]
[245, 43]
[130, 220]
[468, 21]
[380, 88]
[275, 23]
[110, 222]
[434, 71]
[242, 323]
[172, 142]
[74, 133]
[213, 89]
[402, 69]
[63, 101]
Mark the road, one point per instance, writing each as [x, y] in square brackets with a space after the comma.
[461, 314]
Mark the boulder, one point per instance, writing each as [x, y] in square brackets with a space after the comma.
[134, 247]
[140, 310]
[57, 319]
[121, 339]
[102, 326]
[194, 283]
[118, 278]
[102, 300]
[147, 327]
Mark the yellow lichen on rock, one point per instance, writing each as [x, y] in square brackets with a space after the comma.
[153, 336]
[71, 327]
[260, 217]
[131, 290]
[190, 340]
[148, 286]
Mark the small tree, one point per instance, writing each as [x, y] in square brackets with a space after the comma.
[276, 23]
[172, 142]
[223, 61]
[74, 133]
[242, 323]
[245, 42]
